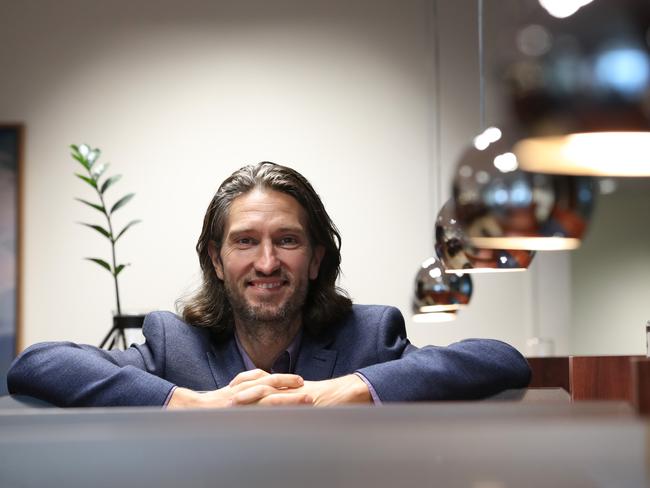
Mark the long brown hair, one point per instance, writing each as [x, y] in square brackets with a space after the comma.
[326, 302]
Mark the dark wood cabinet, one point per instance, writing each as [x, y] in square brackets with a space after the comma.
[596, 377]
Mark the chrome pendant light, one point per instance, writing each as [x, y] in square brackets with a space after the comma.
[580, 91]
[438, 295]
[499, 206]
[454, 249]
[458, 255]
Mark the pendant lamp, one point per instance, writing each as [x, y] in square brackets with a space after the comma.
[499, 206]
[459, 255]
[438, 295]
[455, 250]
[580, 91]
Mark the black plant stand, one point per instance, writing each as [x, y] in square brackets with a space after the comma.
[120, 323]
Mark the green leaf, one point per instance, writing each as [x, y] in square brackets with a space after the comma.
[109, 182]
[130, 224]
[90, 181]
[121, 202]
[93, 156]
[75, 148]
[101, 262]
[82, 160]
[98, 228]
[98, 170]
[120, 267]
[84, 149]
[93, 205]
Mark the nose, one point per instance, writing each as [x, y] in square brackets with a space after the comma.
[267, 261]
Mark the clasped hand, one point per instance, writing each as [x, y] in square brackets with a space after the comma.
[257, 387]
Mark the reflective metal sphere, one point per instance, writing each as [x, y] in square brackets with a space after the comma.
[458, 254]
[499, 206]
[439, 292]
[580, 91]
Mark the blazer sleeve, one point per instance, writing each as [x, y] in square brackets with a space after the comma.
[466, 370]
[71, 375]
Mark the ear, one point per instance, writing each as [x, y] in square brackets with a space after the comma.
[314, 265]
[213, 251]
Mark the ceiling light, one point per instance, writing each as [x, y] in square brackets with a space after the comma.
[459, 255]
[583, 103]
[499, 206]
[439, 292]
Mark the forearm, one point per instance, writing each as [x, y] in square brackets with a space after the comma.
[465, 370]
[69, 375]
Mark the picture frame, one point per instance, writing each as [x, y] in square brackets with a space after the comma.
[11, 154]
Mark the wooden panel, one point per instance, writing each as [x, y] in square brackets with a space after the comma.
[550, 373]
[601, 377]
[641, 385]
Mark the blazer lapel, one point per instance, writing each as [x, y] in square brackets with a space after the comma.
[314, 361]
[225, 361]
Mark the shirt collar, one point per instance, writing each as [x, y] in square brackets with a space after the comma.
[291, 350]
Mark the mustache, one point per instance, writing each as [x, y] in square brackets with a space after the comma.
[275, 274]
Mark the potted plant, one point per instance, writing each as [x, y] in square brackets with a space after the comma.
[95, 176]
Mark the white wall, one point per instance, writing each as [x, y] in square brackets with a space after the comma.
[611, 276]
[180, 94]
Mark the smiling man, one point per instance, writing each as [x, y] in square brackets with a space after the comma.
[268, 326]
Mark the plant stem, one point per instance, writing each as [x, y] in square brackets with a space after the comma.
[112, 239]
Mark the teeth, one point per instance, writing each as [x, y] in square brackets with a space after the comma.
[267, 285]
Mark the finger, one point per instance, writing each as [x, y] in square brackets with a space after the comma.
[282, 381]
[279, 399]
[278, 381]
[251, 375]
[253, 394]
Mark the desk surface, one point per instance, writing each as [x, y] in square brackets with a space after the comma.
[478, 445]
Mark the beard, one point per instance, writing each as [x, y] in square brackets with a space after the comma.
[262, 318]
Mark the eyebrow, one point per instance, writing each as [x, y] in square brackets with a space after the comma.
[250, 230]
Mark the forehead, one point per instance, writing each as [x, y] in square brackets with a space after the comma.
[261, 208]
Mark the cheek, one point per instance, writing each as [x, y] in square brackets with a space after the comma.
[234, 264]
[307, 266]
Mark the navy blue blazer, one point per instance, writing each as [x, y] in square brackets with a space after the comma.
[370, 340]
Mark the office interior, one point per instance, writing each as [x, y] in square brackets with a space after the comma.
[372, 100]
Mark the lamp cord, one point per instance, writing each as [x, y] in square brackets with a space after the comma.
[481, 68]
[437, 97]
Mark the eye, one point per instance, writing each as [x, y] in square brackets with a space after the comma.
[288, 241]
[244, 242]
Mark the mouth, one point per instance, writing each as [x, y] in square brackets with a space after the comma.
[267, 285]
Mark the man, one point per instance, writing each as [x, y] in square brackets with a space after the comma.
[268, 326]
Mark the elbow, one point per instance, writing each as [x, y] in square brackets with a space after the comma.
[525, 374]
[26, 369]
[16, 377]
[18, 374]
[522, 373]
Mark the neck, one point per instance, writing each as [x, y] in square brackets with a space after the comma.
[265, 342]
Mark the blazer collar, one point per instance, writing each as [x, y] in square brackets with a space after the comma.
[225, 361]
[314, 363]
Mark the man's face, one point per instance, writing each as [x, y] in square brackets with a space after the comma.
[266, 259]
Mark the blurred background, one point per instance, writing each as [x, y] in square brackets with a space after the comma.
[372, 100]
